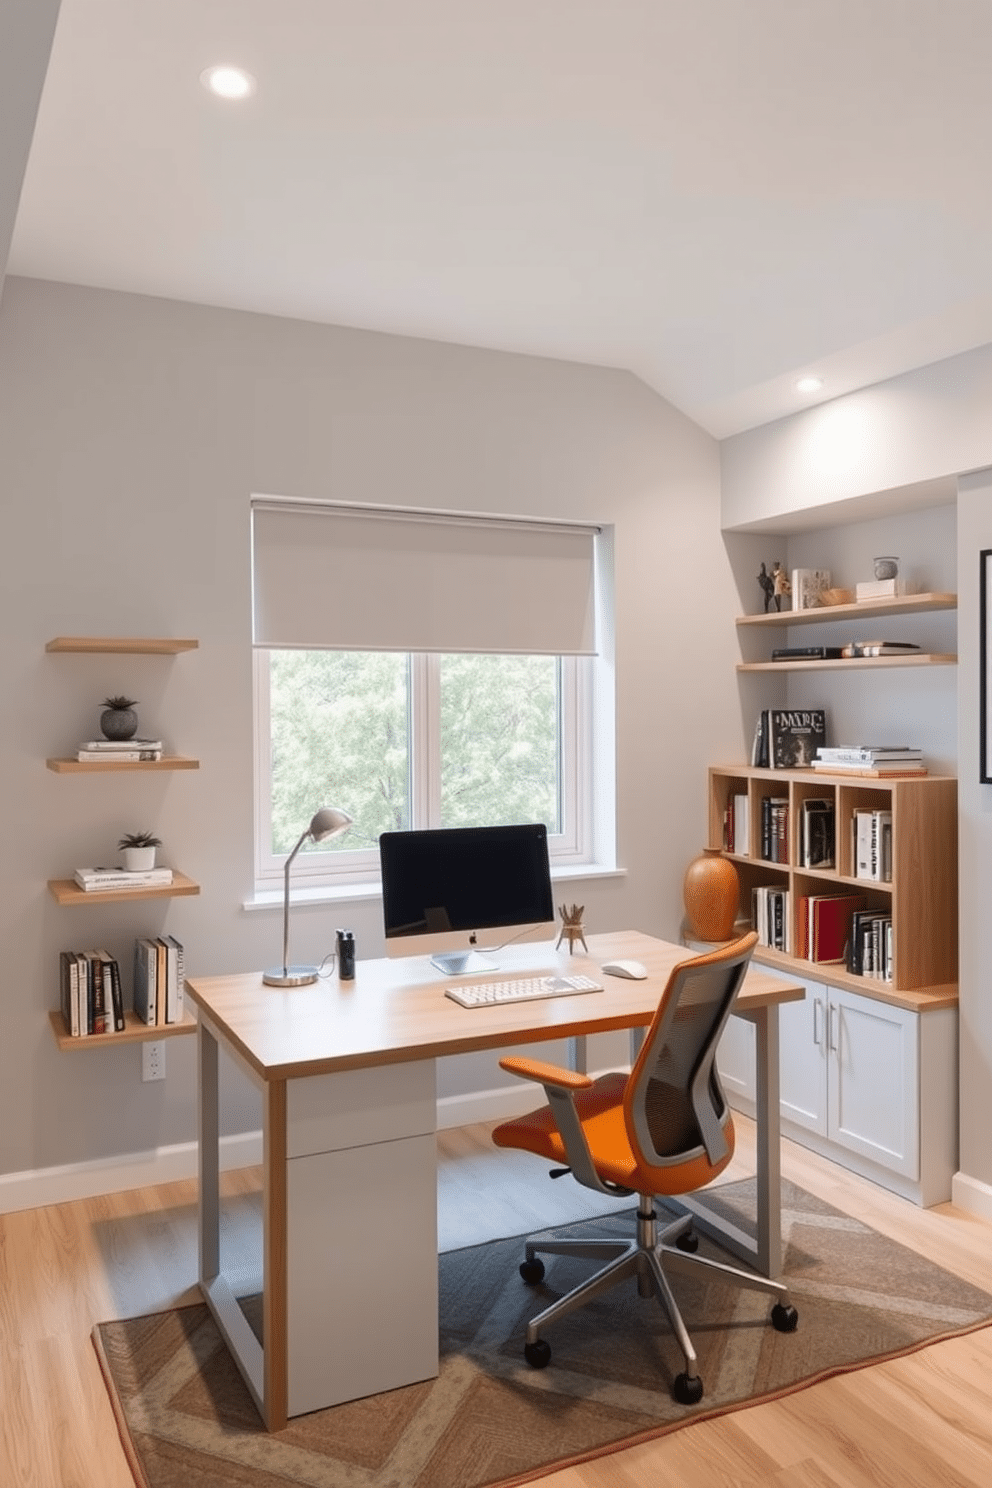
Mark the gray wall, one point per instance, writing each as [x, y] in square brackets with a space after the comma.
[133, 432]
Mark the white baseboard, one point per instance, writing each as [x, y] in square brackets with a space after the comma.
[498, 1104]
[972, 1195]
[487, 1105]
[86, 1180]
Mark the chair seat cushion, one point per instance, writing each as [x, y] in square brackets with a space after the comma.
[600, 1110]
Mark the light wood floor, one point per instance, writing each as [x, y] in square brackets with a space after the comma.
[920, 1422]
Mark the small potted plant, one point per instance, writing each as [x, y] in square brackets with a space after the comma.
[118, 719]
[139, 850]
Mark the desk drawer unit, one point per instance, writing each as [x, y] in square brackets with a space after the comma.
[361, 1233]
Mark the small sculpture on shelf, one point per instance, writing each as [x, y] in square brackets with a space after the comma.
[780, 583]
[774, 585]
[118, 719]
[571, 926]
[139, 851]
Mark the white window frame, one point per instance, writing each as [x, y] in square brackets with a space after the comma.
[316, 869]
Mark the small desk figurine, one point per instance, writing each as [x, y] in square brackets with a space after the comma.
[571, 926]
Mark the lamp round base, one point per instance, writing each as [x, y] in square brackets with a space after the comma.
[290, 976]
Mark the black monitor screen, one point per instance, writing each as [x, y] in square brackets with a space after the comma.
[464, 879]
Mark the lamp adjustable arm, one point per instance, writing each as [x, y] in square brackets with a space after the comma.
[285, 902]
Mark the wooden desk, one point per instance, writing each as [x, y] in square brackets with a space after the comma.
[347, 1075]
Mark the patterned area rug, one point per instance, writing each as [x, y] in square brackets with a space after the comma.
[187, 1420]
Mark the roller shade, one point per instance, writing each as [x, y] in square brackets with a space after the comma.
[353, 578]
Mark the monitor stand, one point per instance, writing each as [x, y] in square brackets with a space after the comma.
[463, 963]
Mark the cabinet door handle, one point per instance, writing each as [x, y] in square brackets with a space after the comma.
[818, 1020]
[834, 1010]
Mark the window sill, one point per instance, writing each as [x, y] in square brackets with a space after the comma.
[354, 893]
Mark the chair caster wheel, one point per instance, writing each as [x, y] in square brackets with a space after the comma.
[538, 1355]
[532, 1271]
[785, 1319]
[687, 1390]
[688, 1242]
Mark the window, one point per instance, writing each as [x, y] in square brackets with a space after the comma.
[443, 736]
[405, 741]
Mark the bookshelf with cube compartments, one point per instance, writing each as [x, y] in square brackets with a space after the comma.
[65, 891]
[921, 895]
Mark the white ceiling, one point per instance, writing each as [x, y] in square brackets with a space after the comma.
[718, 195]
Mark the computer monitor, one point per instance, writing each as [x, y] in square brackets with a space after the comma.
[442, 889]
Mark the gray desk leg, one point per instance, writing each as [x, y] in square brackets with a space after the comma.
[769, 1143]
[577, 1056]
[208, 1125]
[765, 1250]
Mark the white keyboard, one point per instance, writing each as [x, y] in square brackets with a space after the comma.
[520, 989]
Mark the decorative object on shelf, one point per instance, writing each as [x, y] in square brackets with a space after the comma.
[985, 662]
[767, 587]
[572, 928]
[711, 893]
[139, 851]
[781, 587]
[886, 567]
[808, 586]
[328, 822]
[118, 719]
[830, 597]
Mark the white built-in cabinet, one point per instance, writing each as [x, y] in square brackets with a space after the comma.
[867, 1081]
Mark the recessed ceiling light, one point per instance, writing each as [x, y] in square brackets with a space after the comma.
[809, 384]
[228, 82]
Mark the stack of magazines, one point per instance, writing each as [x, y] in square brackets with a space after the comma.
[120, 749]
[97, 880]
[870, 759]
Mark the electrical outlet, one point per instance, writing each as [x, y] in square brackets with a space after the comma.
[153, 1060]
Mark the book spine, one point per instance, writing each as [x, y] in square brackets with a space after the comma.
[116, 992]
[180, 978]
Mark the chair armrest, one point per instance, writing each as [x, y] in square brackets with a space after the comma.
[545, 1074]
[560, 1087]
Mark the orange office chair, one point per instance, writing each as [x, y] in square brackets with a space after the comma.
[664, 1129]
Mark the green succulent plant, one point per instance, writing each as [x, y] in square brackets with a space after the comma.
[140, 839]
[119, 704]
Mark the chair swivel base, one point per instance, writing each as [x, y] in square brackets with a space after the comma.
[644, 1257]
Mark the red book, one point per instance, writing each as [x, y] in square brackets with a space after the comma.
[831, 925]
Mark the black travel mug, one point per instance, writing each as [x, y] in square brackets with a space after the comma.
[346, 955]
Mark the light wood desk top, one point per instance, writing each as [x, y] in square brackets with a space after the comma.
[396, 1011]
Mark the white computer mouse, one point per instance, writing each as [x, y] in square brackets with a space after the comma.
[632, 969]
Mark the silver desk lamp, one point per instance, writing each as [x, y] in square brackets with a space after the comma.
[328, 822]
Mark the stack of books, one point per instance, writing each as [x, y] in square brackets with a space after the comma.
[824, 925]
[102, 880]
[775, 829]
[159, 980]
[788, 738]
[871, 844]
[816, 833]
[736, 825]
[870, 951]
[91, 995]
[770, 916]
[870, 759]
[119, 749]
[879, 648]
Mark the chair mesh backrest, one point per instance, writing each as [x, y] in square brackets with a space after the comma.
[675, 1104]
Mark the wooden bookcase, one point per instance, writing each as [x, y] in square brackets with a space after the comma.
[65, 891]
[921, 897]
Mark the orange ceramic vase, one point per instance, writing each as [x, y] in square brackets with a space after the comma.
[711, 892]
